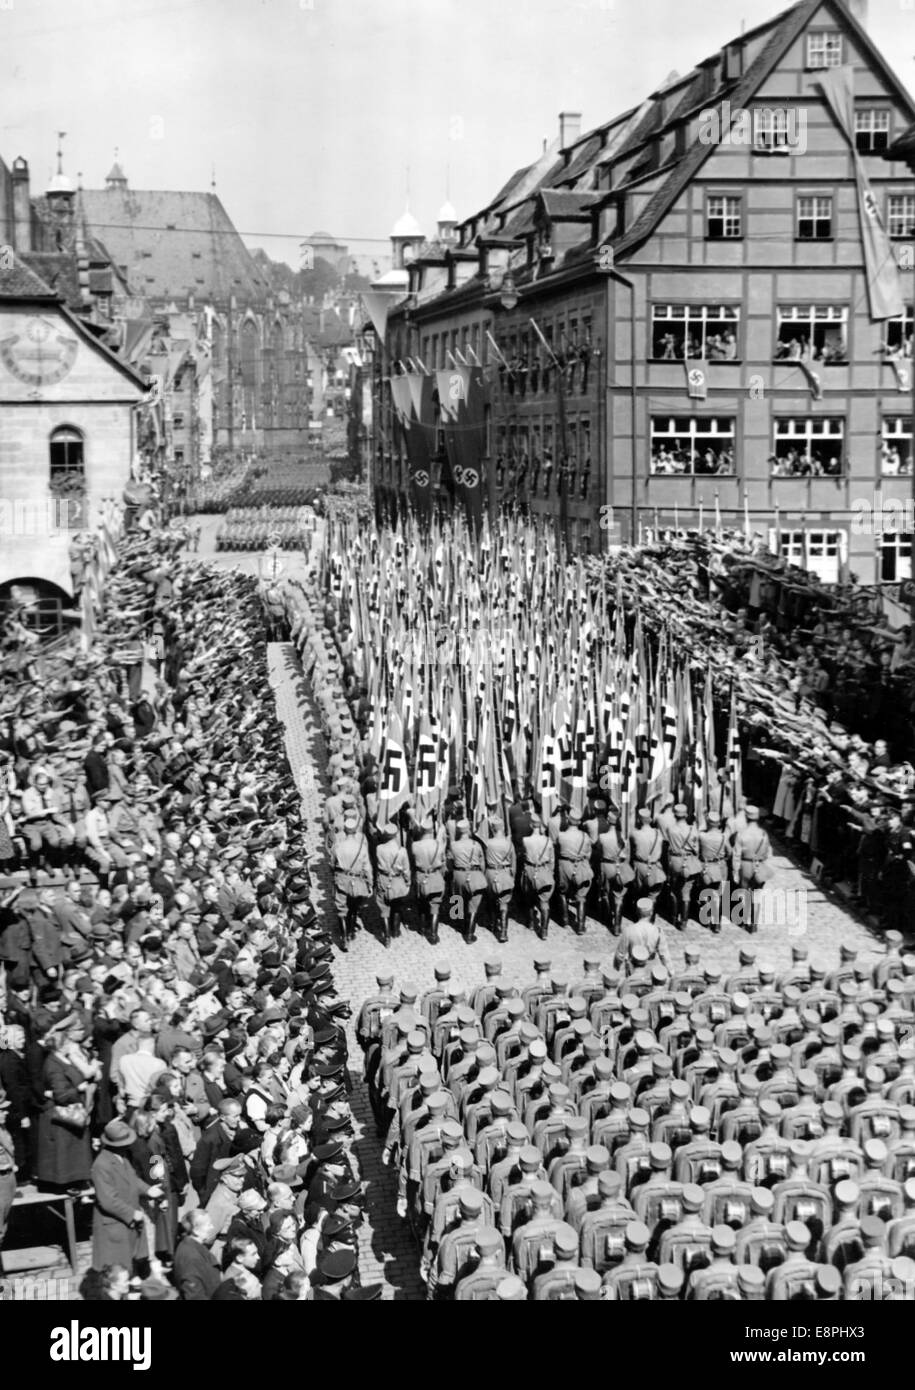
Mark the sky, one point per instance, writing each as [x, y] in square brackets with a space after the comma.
[328, 114]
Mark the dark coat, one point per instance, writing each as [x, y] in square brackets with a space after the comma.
[64, 1155]
[118, 1190]
[196, 1274]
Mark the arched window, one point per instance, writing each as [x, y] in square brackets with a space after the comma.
[67, 461]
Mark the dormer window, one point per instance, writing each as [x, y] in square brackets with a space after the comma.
[824, 49]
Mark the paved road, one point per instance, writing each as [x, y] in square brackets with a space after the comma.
[795, 906]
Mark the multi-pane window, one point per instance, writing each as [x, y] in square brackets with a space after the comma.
[814, 550]
[809, 446]
[894, 549]
[814, 217]
[824, 49]
[899, 334]
[723, 219]
[692, 444]
[872, 130]
[900, 214]
[694, 330]
[896, 445]
[813, 332]
[770, 128]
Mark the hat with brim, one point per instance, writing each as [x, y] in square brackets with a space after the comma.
[118, 1135]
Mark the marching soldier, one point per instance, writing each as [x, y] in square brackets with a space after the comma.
[646, 845]
[392, 881]
[352, 878]
[499, 855]
[575, 873]
[616, 873]
[683, 863]
[642, 932]
[713, 857]
[429, 876]
[538, 874]
[468, 875]
[750, 867]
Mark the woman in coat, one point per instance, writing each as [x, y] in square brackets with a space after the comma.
[68, 1079]
[118, 1227]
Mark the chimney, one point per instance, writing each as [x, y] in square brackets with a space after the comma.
[22, 206]
[569, 128]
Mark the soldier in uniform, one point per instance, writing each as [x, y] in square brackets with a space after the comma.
[392, 880]
[429, 876]
[713, 856]
[481, 1285]
[499, 855]
[575, 873]
[616, 873]
[643, 932]
[683, 866]
[646, 846]
[352, 878]
[538, 874]
[468, 875]
[750, 854]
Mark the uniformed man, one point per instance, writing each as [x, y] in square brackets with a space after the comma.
[575, 873]
[538, 878]
[683, 866]
[429, 876]
[482, 1283]
[533, 1243]
[392, 880]
[644, 931]
[352, 868]
[713, 857]
[468, 876]
[616, 872]
[500, 863]
[646, 847]
[750, 854]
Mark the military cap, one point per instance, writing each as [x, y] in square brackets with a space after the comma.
[872, 1230]
[620, 1092]
[751, 812]
[517, 1133]
[846, 1193]
[324, 1070]
[639, 954]
[336, 1225]
[346, 1193]
[514, 1008]
[660, 1156]
[530, 1158]
[493, 966]
[327, 1152]
[762, 1201]
[323, 1036]
[442, 971]
[612, 815]
[537, 1048]
[713, 818]
[367, 1293]
[489, 1241]
[558, 1093]
[541, 964]
[639, 1118]
[335, 1266]
[437, 1101]
[511, 1290]
[471, 1202]
[875, 1151]
[501, 1103]
[566, 1242]
[769, 1109]
[588, 1283]
[643, 813]
[751, 1279]
[489, 1077]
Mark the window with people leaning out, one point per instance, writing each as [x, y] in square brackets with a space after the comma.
[701, 331]
[896, 445]
[812, 333]
[692, 444]
[808, 446]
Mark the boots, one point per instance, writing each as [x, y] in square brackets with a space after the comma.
[432, 925]
[502, 932]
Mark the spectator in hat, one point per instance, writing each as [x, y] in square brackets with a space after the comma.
[118, 1223]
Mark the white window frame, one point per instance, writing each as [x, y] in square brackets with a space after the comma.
[896, 433]
[872, 121]
[694, 433]
[812, 207]
[694, 319]
[806, 432]
[816, 549]
[730, 216]
[900, 332]
[809, 318]
[770, 128]
[824, 48]
[895, 546]
[900, 221]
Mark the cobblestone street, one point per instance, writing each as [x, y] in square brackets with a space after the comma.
[795, 908]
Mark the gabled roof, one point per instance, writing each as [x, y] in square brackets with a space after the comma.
[567, 182]
[169, 241]
[20, 282]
